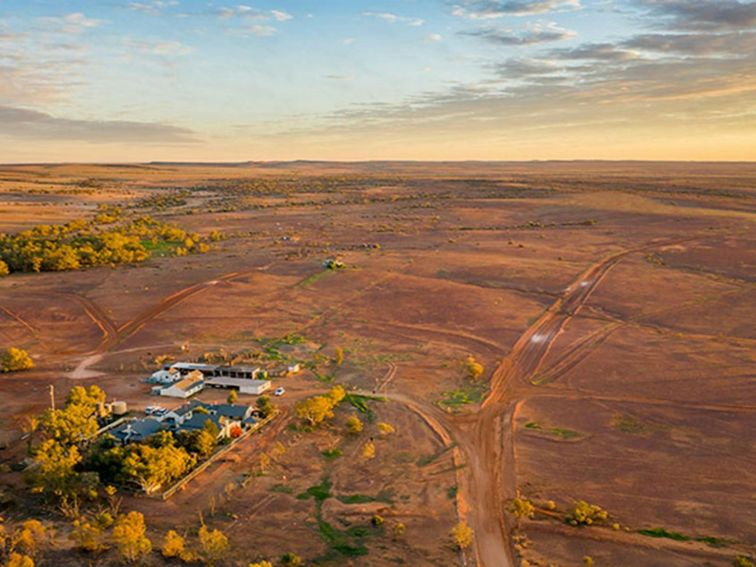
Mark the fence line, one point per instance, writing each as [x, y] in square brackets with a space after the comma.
[195, 472]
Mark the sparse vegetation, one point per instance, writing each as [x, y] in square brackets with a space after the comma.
[82, 244]
[585, 514]
[462, 535]
[15, 360]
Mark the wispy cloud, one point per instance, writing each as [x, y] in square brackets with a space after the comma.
[434, 38]
[395, 19]
[491, 9]
[153, 7]
[251, 21]
[160, 47]
[531, 35]
[21, 123]
[74, 23]
[708, 15]
[250, 13]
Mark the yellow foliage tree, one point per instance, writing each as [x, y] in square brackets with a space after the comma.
[19, 560]
[354, 424]
[386, 428]
[473, 368]
[174, 545]
[462, 535]
[315, 410]
[15, 360]
[213, 545]
[130, 536]
[368, 450]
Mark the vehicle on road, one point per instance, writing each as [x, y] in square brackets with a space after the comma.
[279, 392]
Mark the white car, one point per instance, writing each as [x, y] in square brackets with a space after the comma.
[279, 392]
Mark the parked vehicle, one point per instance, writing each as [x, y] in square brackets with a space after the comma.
[279, 392]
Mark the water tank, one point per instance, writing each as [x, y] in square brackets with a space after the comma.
[119, 408]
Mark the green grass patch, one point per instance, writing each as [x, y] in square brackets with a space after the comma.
[331, 454]
[282, 488]
[560, 432]
[319, 492]
[467, 394]
[161, 247]
[663, 533]
[564, 433]
[309, 280]
[361, 404]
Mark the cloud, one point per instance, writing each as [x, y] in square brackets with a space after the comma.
[434, 38]
[710, 15]
[74, 23]
[153, 7]
[734, 43]
[163, 48]
[21, 123]
[595, 52]
[394, 19]
[525, 68]
[491, 9]
[532, 35]
[259, 30]
[248, 12]
[261, 20]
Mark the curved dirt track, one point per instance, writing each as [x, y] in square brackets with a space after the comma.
[491, 433]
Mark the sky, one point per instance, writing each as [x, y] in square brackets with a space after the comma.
[193, 80]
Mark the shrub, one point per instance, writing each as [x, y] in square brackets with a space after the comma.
[585, 514]
[386, 428]
[354, 424]
[291, 560]
[522, 507]
[129, 534]
[462, 535]
[368, 450]
[213, 545]
[16, 360]
[473, 368]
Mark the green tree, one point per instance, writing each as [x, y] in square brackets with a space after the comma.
[130, 536]
[264, 406]
[15, 360]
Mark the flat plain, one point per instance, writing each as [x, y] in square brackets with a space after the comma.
[611, 305]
